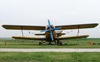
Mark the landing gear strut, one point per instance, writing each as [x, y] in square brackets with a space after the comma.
[49, 43]
[59, 43]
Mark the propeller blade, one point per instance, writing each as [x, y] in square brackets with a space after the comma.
[44, 30]
[51, 35]
[56, 29]
[49, 23]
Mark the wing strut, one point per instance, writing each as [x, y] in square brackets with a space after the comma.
[22, 31]
[78, 31]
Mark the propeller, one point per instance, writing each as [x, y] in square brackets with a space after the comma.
[50, 30]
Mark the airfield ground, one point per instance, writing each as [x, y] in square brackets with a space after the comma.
[75, 43]
[49, 57]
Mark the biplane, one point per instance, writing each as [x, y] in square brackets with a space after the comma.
[50, 34]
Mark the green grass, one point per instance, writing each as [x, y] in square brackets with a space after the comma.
[49, 57]
[74, 43]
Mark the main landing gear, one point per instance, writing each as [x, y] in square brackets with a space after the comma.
[40, 43]
[59, 43]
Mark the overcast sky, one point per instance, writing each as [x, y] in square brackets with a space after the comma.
[59, 12]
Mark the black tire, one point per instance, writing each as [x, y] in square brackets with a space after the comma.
[60, 43]
[50, 43]
[57, 42]
[40, 43]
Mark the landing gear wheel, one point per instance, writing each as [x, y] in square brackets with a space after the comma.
[49, 43]
[40, 43]
[59, 43]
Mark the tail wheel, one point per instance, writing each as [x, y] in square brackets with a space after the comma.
[40, 43]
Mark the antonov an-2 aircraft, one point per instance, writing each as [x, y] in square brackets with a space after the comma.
[49, 32]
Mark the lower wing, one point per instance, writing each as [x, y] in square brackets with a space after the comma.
[72, 37]
[28, 38]
[43, 38]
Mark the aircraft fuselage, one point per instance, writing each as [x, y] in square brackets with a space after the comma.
[48, 38]
[47, 34]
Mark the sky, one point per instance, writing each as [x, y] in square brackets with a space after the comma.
[59, 12]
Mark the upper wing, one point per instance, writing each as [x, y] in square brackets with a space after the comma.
[28, 38]
[23, 27]
[78, 26]
[72, 37]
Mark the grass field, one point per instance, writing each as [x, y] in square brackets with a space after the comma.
[74, 43]
[49, 57]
